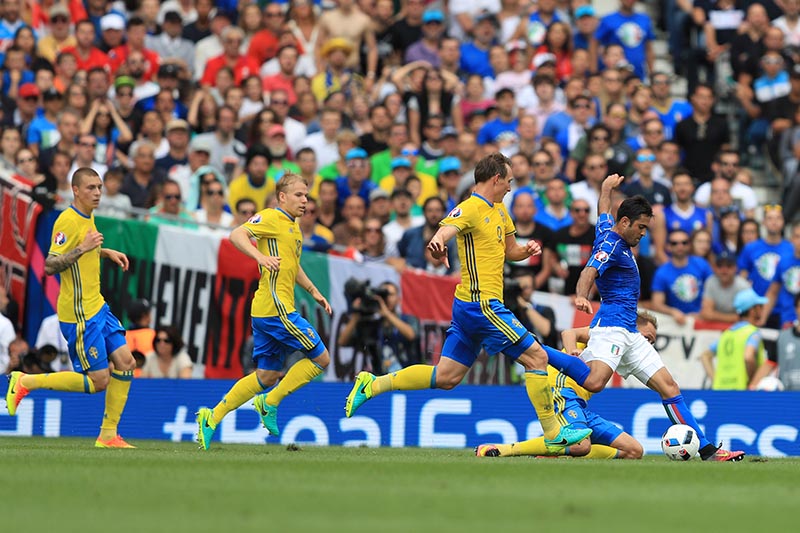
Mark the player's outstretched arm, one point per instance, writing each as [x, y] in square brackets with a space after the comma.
[571, 337]
[438, 244]
[115, 256]
[584, 286]
[609, 184]
[517, 252]
[240, 238]
[304, 281]
[59, 263]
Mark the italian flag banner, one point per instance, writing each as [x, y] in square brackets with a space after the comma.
[200, 283]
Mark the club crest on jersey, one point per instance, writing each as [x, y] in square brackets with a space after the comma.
[455, 213]
[60, 238]
[255, 219]
[93, 352]
[601, 256]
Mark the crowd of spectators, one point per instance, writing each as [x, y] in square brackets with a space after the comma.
[192, 109]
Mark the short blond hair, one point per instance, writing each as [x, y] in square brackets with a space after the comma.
[287, 179]
[643, 317]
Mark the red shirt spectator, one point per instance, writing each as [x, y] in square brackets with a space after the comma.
[86, 55]
[242, 66]
[137, 30]
[264, 43]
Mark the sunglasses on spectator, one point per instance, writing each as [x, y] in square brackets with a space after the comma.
[163, 339]
[172, 197]
[409, 152]
[541, 163]
[59, 18]
[372, 230]
[280, 102]
[596, 167]
[580, 209]
[600, 138]
[642, 158]
[88, 144]
[581, 106]
[653, 132]
[217, 192]
[678, 243]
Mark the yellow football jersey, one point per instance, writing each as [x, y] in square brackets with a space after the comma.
[482, 229]
[79, 298]
[241, 188]
[558, 380]
[278, 234]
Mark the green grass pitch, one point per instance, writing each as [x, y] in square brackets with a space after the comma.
[65, 485]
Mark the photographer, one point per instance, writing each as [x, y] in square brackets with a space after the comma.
[389, 339]
[538, 319]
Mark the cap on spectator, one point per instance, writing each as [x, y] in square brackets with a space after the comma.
[400, 162]
[375, 194]
[543, 59]
[356, 153]
[433, 15]
[112, 21]
[124, 81]
[517, 44]
[168, 70]
[173, 16]
[52, 94]
[449, 164]
[28, 90]
[177, 124]
[486, 15]
[448, 131]
[726, 257]
[337, 43]
[795, 72]
[59, 9]
[746, 300]
[584, 11]
[138, 309]
[200, 144]
[276, 129]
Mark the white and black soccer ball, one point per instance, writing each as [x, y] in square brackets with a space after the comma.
[680, 442]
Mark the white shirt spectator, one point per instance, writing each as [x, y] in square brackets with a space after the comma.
[205, 49]
[327, 152]
[791, 36]
[743, 195]
[295, 134]
[117, 206]
[582, 191]
[305, 67]
[187, 17]
[471, 8]
[393, 231]
[50, 333]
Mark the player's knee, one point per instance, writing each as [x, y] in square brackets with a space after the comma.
[580, 449]
[267, 378]
[100, 381]
[447, 382]
[126, 364]
[633, 451]
[594, 384]
[323, 359]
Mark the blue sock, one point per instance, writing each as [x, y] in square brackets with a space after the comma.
[679, 413]
[570, 365]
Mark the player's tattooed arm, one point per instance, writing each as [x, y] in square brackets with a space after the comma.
[59, 263]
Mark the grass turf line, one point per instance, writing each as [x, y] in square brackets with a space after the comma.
[64, 485]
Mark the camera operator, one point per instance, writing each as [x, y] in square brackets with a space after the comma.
[539, 319]
[388, 338]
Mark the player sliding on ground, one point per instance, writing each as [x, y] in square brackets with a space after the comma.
[485, 240]
[614, 343]
[278, 330]
[607, 440]
[93, 334]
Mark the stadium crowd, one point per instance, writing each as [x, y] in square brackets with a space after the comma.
[191, 110]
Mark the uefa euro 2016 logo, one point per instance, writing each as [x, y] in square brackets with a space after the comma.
[60, 238]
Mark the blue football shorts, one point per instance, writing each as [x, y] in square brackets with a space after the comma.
[575, 412]
[91, 343]
[275, 337]
[487, 323]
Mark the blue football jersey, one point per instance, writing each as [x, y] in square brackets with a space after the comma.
[618, 277]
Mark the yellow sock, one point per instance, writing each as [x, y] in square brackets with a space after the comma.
[63, 381]
[415, 377]
[600, 451]
[116, 398]
[301, 373]
[242, 390]
[526, 447]
[541, 397]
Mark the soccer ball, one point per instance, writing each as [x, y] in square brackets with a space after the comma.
[680, 442]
